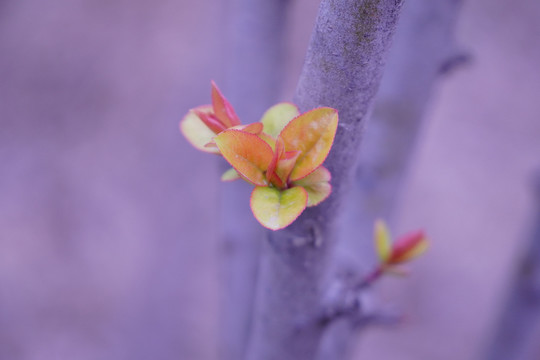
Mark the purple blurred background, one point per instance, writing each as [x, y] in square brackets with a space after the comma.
[108, 238]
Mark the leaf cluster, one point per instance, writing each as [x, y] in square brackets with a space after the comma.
[281, 155]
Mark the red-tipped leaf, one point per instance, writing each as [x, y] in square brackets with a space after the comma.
[210, 120]
[408, 246]
[223, 109]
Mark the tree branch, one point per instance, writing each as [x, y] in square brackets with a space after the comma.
[349, 299]
[342, 70]
[516, 335]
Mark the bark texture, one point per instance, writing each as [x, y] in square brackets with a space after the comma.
[342, 70]
[254, 55]
[422, 48]
[516, 335]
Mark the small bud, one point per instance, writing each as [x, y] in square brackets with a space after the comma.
[402, 250]
[408, 247]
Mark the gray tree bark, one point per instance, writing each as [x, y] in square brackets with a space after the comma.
[254, 54]
[342, 70]
[517, 331]
[422, 50]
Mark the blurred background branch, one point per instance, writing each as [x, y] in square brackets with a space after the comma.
[424, 42]
[254, 58]
[517, 331]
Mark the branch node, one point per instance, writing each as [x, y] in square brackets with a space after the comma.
[343, 300]
[314, 238]
[300, 241]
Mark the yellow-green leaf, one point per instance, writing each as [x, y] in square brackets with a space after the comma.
[382, 241]
[196, 132]
[248, 154]
[276, 209]
[279, 115]
[230, 175]
[317, 185]
[313, 134]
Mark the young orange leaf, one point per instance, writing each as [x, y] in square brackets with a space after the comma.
[196, 132]
[278, 153]
[268, 139]
[276, 181]
[313, 134]
[255, 128]
[317, 185]
[223, 109]
[230, 175]
[382, 241]
[276, 209]
[279, 115]
[247, 153]
[286, 164]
